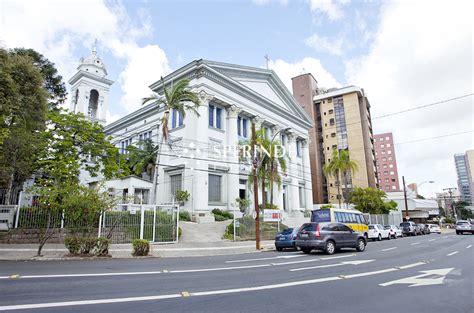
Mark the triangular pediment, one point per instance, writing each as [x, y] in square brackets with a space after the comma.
[263, 82]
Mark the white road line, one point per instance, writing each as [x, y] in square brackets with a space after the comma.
[193, 294]
[263, 259]
[219, 269]
[313, 260]
[84, 275]
[388, 249]
[411, 265]
[416, 243]
[452, 253]
[432, 240]
[468, 246]
[332, 265]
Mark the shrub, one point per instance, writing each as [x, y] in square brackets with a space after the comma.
[268, 206]
[102, 246]
[182, 195]
[87, 244]
[141, 247]
[180, 232]
[222, 215]
[307, 213]
[73, 244]
[184, 216]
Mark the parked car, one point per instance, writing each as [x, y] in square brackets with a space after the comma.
[286, 239]
[434, 228]
[328, 237]
[408, 228]
[420, 229]
[464, 227]
[426, 229]
[394, 231]
[377, 231]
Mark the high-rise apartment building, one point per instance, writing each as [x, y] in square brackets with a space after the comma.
[387, 172]
[342, 121]
[464, 169]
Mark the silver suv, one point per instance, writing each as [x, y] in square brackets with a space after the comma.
[464, 227]
[328, 237]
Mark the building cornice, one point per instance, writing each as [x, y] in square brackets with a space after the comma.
[81, 74]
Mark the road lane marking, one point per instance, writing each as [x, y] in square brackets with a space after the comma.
[219, 269]
[356, 262]
[388, 249]
[432, 240]
[468, 246]
[191, 294]
[421, 280]
[411, 265]
[313, 260]
[81, 275]
[263, 259]
[416, 243]
[452, 253]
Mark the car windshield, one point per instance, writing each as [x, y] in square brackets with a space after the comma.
[308, 227]
[287, 231]
[371, 227]
[387, 227]
[404, 224]
[462, 223]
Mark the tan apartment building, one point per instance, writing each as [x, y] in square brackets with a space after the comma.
[342, 121]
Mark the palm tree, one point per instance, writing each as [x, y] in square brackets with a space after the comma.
[340, 163]
[276, 162]
[180, 98]
[347, 168]
[141, 158]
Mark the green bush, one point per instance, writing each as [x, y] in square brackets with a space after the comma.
[87, 244]
[307, 213]
[102, 246]
[184, 216]
[268, 206]
[73, 245]
[180, 232]
[141, 247]
[220, 215]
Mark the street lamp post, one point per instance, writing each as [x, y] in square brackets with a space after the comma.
[407, 217]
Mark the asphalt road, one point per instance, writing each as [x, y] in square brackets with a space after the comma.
[432, 273]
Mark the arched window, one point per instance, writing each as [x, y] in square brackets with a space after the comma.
[93, 103]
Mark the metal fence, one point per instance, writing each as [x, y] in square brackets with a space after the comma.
[155, 223]
[245, 228]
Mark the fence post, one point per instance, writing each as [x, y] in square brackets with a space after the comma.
[62, 219]
[17, 217]
[142, 221]
[100, 226]
[154, 223]
[177, 223]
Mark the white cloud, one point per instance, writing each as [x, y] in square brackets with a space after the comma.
[57, 28]
[332, 9]
[420, 56]
[286, 71]
[324, 44]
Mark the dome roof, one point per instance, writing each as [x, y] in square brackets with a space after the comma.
[93, 64]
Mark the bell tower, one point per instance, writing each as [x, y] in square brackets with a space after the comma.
[90, 88]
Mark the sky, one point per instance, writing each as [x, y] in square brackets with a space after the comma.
[404, 54]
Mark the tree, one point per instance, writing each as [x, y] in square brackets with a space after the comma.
[464, 213]
[180, 98]
[340, 164]
[73, 142]
[371, 200]
[141, 158]
[23, 107]
[52, 81]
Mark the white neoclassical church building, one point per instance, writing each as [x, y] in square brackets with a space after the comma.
[232, 98]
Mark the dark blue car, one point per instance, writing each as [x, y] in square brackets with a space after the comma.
[286, 239]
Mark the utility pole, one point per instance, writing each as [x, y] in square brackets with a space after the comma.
[407, 217]
[255, 189]
[450, 191]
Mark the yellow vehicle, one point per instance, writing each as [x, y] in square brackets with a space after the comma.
[352, 218]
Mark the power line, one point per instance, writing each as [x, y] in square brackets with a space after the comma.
[436, 137]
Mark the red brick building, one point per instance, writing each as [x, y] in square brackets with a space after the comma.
[386, 162]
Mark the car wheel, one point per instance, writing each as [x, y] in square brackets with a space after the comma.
[306, 250]
[330, 247]
[279, 248]
[379, 238]
[360, 245]
[457, 233]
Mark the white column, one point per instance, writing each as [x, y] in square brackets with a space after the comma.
[232, 157]
[307, 176]
[200, 177]
[293, 197]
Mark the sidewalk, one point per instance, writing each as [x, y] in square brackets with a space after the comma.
[188, 249]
